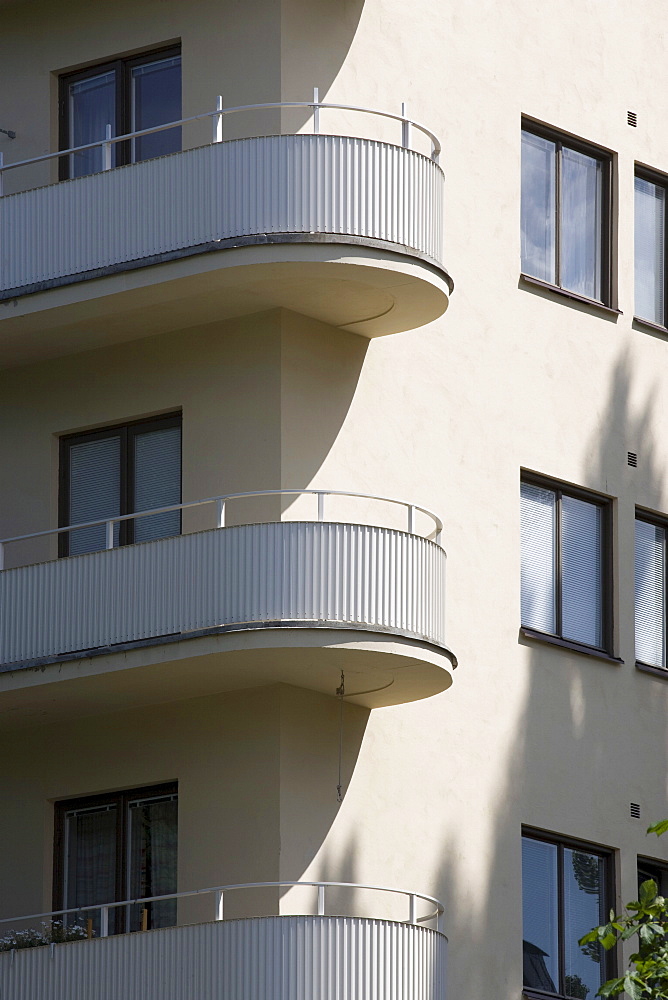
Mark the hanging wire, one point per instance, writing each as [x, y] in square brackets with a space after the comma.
[341, 690]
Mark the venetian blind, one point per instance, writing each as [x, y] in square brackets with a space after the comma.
[649, 239]
[538, 510]
[157, 482]
[582, 571]
[94, 491]
[540, 915]
[650, 594]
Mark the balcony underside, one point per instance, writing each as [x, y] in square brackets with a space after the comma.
[270, 958]
[355, 285]
[379, 670]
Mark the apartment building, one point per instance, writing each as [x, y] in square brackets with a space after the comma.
[294, 299]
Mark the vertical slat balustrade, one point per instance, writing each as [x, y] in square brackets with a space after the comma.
[314, 571]
[263, 185]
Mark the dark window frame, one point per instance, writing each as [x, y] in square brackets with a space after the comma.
[609, 958]
[122, 67]
[660, 180]
[656, 869]
[605, 156]
[660, 522]
[120, 800]
[607, 583]
[126, 431]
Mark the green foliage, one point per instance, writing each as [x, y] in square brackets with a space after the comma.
[645, 919]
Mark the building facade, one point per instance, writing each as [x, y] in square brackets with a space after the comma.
[290, 278]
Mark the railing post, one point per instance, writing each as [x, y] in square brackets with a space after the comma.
[412, 908]
[110, 534]
[219, 905]
[316, 111]
[411, 519]
[104, 921]
[405, 128]
[2, 556]
[437, 537]
[218, 121]
[321, 506]
[321, 900]
[106, 149]
[220, 513]
[2, 158]
[439, 922]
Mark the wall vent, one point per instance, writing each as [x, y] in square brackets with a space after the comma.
[632, 118]
[633, 459]
[635, 810]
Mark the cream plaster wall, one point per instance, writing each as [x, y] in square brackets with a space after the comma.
[256, 771]
[222, 751]
[447, 416]
[225, 378]
[224, 51]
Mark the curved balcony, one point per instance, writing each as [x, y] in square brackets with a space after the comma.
[287, 957]
[295, 601]
[346, 230]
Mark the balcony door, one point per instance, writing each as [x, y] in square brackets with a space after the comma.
[116, 847]
[127, 94]
[120, 470]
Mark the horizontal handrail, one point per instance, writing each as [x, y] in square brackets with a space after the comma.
[220, 890]
[316, 105]
[221, 501]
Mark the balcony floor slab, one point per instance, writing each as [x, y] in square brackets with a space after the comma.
[380, 670]
[353, 285]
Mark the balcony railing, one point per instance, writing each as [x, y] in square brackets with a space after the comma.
[312, 956]
[265, 186]
[303, 572]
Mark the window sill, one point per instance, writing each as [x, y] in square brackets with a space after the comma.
[574, 647]
[537, 995]
[526, 279]
[648, 668]
[657, 327]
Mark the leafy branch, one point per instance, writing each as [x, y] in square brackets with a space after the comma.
[647, 920]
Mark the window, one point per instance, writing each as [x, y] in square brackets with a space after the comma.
[566, 891]
[127, 94]
[120, 470]
[565, 549]
[650, 592]
[114, 847]
[655, 870]
[650, 241]
[565, 214]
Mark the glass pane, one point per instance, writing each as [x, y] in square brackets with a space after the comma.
[90, 860]
[538, 207]
[581, 223]
[92, 106]
[540, 915]
[650, 228]
[647, 871]
[152, 834]
[538, 557]
[157, 456]
[582, 571]
[155, 98]
[95, 491]
[650, 594]
[584, 908]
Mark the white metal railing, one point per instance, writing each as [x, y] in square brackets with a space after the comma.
[218, 892]
[217, 116]
[220, 502]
